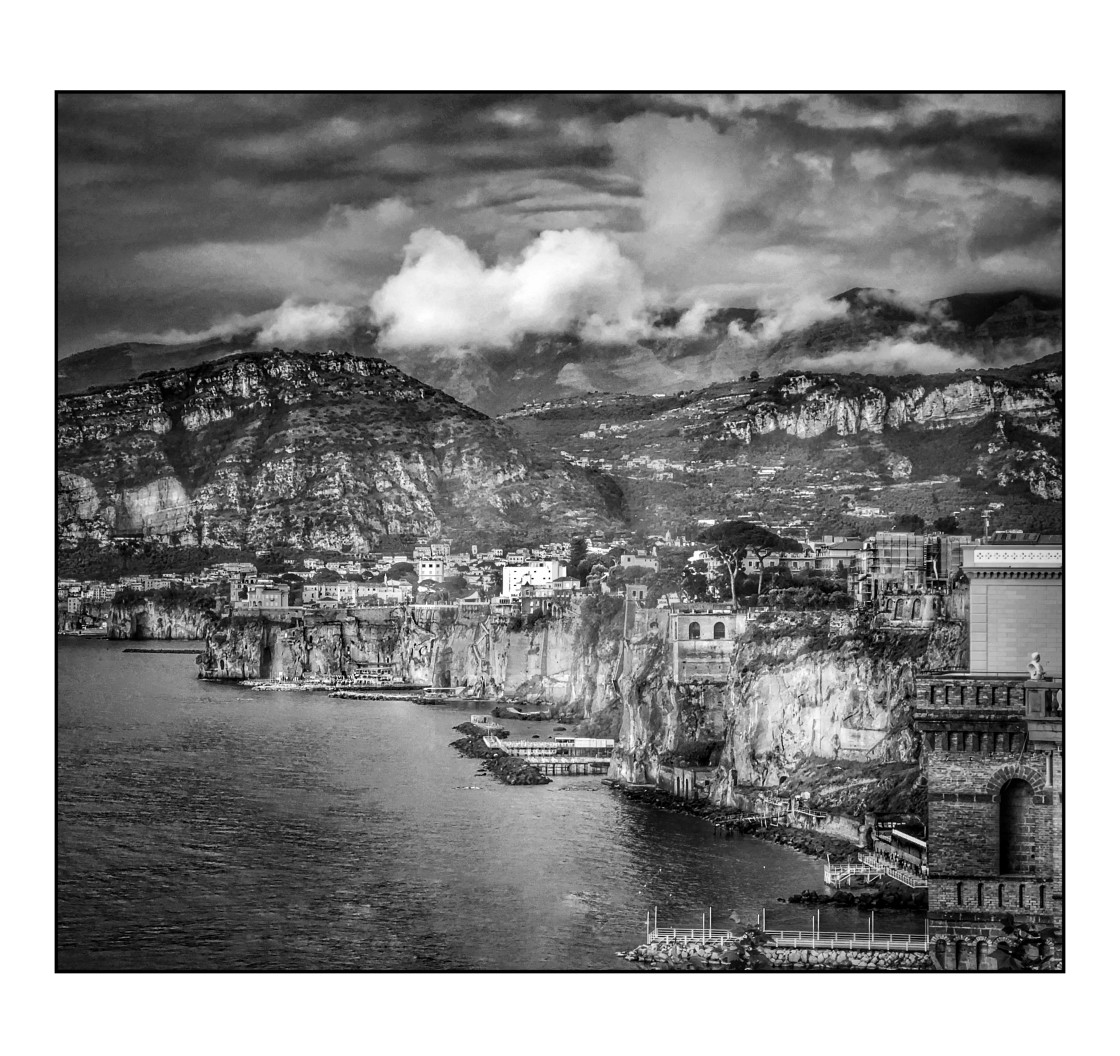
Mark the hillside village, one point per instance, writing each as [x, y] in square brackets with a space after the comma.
[537, 581]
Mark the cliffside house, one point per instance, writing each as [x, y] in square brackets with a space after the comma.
[703, 641]
[542, 573]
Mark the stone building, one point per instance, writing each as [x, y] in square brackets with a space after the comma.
[993, 760]
[703, 641]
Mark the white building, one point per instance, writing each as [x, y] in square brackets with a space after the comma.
[534, 574]
[432, 568]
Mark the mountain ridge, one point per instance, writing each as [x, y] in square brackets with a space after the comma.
[978, 329]
[297, 448]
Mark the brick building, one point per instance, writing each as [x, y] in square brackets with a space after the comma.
[993, 761]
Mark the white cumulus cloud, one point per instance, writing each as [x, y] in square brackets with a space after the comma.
[445, 294]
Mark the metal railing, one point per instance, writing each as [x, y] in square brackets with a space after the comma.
[871, 866]
[900, 942]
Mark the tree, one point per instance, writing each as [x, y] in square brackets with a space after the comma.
[947, 525]
[577, 555]
[731, 541]
[754, 375]
[909, 522]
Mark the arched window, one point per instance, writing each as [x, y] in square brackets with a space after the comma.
[719, 631]
[1014, 830]
[916, 608]
[694, 630]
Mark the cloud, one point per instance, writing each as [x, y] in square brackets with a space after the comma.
[292, 323]
[574, 376]
[691, 175]
[907, 356]
[779, 317]
[444, 293]
[888, 356]
[287, 325]
[331, 261]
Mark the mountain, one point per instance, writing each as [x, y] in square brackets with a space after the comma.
[863, 329]
[294, 448]
[816, 447]
[990, 329]
[126, 361]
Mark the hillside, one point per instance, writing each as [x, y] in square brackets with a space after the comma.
[812, 446]
[305, 450]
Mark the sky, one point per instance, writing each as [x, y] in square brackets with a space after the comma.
[460, 220]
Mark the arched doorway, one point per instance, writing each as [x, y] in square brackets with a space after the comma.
[1015, 847]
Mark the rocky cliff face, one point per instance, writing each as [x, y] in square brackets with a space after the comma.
[795, 693]
[806, 406]
[152, 618]
[569, 661]
[302, 450]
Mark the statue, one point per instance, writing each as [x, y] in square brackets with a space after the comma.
[1035, 671]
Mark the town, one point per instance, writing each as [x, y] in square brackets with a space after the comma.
[791, 571]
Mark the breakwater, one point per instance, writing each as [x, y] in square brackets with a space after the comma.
[509, 769]
[704, 955]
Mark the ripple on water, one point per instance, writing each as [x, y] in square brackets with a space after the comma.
[202, 827]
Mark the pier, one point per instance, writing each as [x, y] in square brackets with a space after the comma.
[871, 867]
[561, 756]
[894, 942]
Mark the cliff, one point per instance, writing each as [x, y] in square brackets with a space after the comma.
[825, 711]
[156, 618]
[303, 450]
[997, 431]
[796, 694]
[567, 662]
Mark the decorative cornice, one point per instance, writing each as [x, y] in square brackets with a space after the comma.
[1016, 557]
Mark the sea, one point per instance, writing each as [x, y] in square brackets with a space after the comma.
[207, 827]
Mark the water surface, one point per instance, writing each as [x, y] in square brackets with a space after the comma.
[206, 826]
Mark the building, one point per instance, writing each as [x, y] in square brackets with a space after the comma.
[992, 756]
[703, 641]
[641, 559]
[944, 557]
[431, 568]
[265, 596]
[534, 574]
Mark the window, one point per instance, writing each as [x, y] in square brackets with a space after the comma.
[1022, 895]
[719, 631]
[1014, 836]
[1041, 896]
[999, 896]
[979, 894]
[960, 894]
[694, 630]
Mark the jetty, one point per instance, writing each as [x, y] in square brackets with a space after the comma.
[869, 867]
[560, 756]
